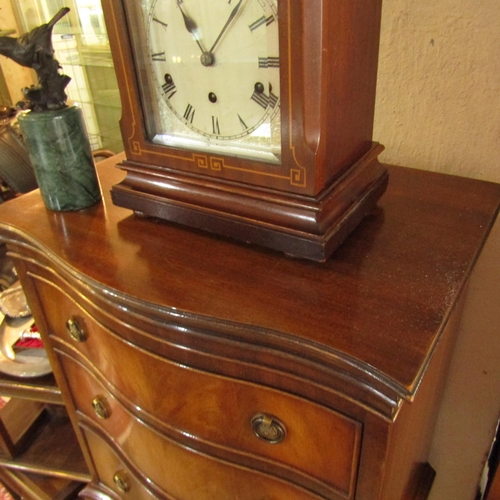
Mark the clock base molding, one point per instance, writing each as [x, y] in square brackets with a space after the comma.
[299, 226]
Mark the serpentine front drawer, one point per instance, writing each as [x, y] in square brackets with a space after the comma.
[264, 430]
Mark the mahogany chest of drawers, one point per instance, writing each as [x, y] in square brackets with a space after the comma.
[196, 368]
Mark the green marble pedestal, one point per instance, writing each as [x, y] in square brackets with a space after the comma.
[61, 156]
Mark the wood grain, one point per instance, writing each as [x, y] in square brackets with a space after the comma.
[401, 271]
[364, 338]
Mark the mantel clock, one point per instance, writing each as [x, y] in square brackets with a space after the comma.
[250, 118]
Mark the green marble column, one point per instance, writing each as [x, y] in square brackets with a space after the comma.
[61, 156]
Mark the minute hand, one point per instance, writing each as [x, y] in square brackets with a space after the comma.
[228, 22]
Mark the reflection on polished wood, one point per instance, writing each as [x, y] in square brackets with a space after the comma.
[188, 337]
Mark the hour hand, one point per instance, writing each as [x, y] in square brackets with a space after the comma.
[190, 23]
[192, 27]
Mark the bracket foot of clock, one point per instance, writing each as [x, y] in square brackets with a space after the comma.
[300, 226]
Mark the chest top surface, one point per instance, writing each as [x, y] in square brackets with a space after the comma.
[379, 303]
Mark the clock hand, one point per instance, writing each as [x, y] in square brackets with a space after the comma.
[190, 24]
[192, 28]
[228, 22]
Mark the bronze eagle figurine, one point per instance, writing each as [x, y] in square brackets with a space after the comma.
[35, 50]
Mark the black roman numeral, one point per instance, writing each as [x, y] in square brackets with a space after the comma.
[273, 99]
[215, 125]
[269, 62]
[189, 113]
[156, 20]
[159, 56]
[261, 22]
[261, 99]
[170, 89]
[244, 126]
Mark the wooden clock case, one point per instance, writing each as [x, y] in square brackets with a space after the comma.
[329, 177]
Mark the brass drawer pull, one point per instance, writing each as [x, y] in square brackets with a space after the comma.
[100, 407]
[121, 481]
[268, 428]
[75, 331]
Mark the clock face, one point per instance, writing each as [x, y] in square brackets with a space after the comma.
[213, 68]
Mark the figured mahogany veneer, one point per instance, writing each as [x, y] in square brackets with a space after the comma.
[179, 339]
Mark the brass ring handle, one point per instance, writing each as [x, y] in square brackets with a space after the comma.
[75, 331]
[100, 407]
[121, 481]
[268, 428]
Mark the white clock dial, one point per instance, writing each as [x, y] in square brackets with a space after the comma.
[215, 66]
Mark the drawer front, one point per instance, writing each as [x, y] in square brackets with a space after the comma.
[318, 444]
[172, 471]
[114, 475]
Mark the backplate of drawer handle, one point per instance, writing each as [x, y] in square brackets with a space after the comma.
[268, 428]
[75, 331]
[100, 407]
[121, 481]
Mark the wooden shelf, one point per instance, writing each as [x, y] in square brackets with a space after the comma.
[53, 449]
[42, 389]
[36, 487]
[45, 461]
